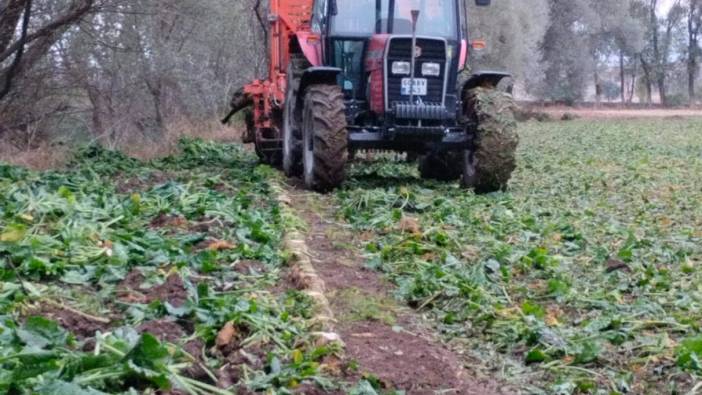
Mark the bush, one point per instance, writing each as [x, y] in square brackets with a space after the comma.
[678, 100]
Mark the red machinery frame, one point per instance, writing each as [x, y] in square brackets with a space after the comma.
[288, 20]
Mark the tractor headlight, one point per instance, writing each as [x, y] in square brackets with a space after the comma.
[431, 69]
[401, 68]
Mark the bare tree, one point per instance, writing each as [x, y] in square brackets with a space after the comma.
[30, 47]
[694, 23]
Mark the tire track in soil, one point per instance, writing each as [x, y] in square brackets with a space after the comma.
[410, 359]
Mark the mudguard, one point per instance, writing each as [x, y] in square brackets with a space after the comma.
[482, 78]
[311, 47]
[316, 75]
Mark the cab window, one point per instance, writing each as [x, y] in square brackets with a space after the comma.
[318, 13]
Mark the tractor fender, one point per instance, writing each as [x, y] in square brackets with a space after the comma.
[311, 48]
[316, 75]
[482, 78]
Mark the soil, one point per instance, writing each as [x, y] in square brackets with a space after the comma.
[401, 352]
[172, 290]
[80, 326]
[609, 113]
[232, 372]
[142, 183]
[168, 221]
[164, 330]
[172, 332]
[247, 267]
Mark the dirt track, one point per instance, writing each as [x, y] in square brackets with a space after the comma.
[608, 113]
[383, 338]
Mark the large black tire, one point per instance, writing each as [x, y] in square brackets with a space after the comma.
[325, 139]
[489, 167]
[292, 136]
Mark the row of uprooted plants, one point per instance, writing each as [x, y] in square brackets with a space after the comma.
[119, 276]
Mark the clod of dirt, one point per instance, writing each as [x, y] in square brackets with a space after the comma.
[172, 332]
[164, 330]
[233, 371]
[168, 221]
[80, 326]
[614, 265]
[299, 279]
[172, 392]
[142, 183]
[229, 338]
[226, 335]
[247, 267]
[323, 339]
[410, 225]
[172, 290]
[207, 225]
[220, 245]
[311, 389]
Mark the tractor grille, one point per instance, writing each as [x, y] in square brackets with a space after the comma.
[433, 51]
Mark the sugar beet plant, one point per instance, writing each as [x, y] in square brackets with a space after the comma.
[118, 276]
[583, 278]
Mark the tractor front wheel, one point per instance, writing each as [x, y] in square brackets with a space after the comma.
[489, 166]
[325, 140]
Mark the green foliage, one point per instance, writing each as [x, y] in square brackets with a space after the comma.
[689, 353]
[73, 239]
[582, 278]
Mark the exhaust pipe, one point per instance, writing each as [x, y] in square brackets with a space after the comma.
[415, 18]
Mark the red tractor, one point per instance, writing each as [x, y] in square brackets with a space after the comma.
[355, 75]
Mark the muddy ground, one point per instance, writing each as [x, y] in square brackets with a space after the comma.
[610, 113]
[384, 341]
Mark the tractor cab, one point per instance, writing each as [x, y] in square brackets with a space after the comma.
[357, 34]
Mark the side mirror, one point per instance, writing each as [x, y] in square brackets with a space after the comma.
[482, 3]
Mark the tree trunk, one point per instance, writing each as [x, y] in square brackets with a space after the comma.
[647, 80]
[103, 114]
[633, 80]
[622, 76]
[155, 88]
[598, 87]
[660, 82]
[658, 61]
[13, 69]
[693, 27]
[31, 47]
[9, 17]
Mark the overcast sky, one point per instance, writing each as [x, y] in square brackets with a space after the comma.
[665, 5]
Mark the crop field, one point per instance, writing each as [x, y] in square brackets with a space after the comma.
[584, 278]
[125, 276]
[120, 276]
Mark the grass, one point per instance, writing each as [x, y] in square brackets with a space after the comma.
[583, 278]
[358, 305]
[41, 153]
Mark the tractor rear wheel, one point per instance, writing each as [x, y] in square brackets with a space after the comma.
[292, 137]
[489, 167]
[325, 140]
